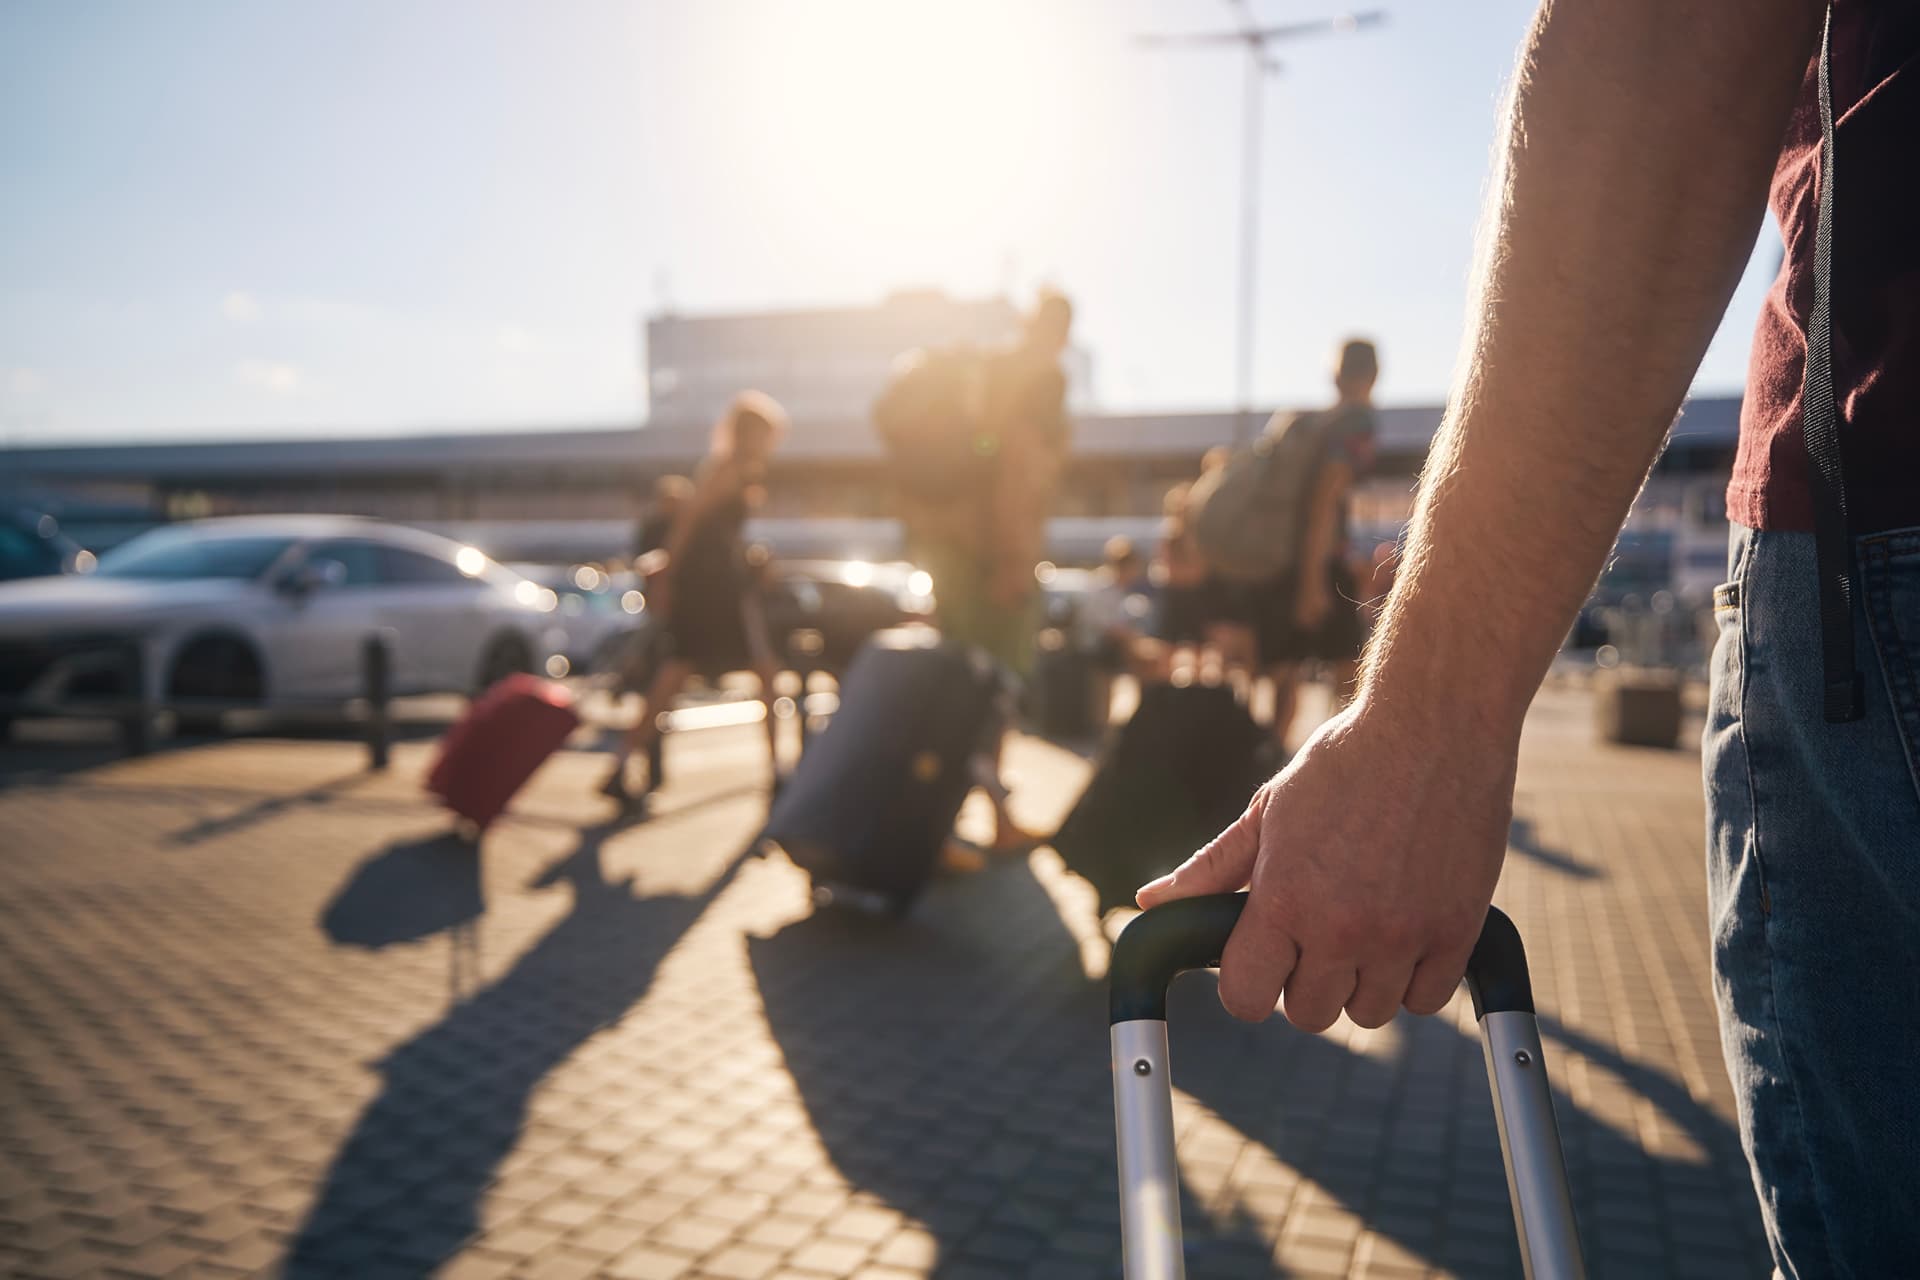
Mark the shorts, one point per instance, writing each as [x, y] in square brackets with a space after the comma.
[966, 612]
[1340, 637]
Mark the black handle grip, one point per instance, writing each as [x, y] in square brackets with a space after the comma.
[1158, 945]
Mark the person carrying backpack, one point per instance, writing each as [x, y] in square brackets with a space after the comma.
[1273, 525]
[976, 443]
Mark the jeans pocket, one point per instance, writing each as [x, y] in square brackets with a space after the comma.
[1890, 594]
[1723, 663]
[1736, 879]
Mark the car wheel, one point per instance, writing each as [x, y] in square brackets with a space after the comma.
[212, 669]
[506, 656]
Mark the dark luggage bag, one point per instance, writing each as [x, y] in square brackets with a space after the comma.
[1177, 774]
[1064, 693]
[875, 796]
[493, 749]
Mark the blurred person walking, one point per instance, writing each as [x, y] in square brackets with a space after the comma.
[1313, 612]
[649, 646]
[1228, 609]
[654, 529]
[1113, 614]
[704, 588]
[1640, 144]
[1112, 622]
[1181, 574]
[978, 444]
[1272, 525]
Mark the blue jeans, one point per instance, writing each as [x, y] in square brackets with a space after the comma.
[1813, 876]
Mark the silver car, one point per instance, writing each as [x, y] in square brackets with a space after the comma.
[268, 611]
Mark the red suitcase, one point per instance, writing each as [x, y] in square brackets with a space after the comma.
[493, 749]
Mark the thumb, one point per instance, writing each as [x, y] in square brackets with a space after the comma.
[1224, 865]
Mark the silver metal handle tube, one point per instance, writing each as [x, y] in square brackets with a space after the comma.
[1149, 1176]
[1191, 934]
[1530, 1146]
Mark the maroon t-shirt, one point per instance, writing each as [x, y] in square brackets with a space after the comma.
[1876, 290]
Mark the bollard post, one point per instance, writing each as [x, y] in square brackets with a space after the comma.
[657, 757]
[136, 721]
[376, 667]
[805, 650]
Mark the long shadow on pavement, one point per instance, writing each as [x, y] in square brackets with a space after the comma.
[404, 1191]
[407, 891]
[36, 764]
[1524, 839]
[1404, 1137]
[271, 807]
[955, 1068]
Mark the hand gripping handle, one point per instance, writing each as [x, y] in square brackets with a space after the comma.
[1191, 933]
[1160, 944]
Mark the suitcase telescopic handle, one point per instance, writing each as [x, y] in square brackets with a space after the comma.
[1159, 945]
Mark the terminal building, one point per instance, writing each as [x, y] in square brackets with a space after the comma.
[823, 364]
[557, 493]
[571, 494]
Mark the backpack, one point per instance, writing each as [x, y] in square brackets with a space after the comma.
[931, 418]
[1249, 517]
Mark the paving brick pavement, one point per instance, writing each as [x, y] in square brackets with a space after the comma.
[259, 1016]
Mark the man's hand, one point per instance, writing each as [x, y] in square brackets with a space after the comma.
[1371, 859]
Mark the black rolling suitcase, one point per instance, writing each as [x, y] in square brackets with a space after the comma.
[1176, 775]
[1063, 693]
[1190, 934]
[868, 807]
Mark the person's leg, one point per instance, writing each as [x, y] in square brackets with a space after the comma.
[1342, 637]
[1235, 644]
[1286, 699]
[1345, 674]
[1008, 834]
[766, 669]
[642, 658]
[668, 679]
[768, 674]
[1278, 645]
[1814, 898]
[1006, 634]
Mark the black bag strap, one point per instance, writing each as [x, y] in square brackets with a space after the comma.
[1832, 542]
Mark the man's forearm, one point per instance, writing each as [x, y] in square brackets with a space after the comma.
[1632, 176]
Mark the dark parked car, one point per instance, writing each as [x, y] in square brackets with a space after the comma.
[844, 601]
[32, 546]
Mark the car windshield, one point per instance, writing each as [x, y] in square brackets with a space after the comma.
[183, 554]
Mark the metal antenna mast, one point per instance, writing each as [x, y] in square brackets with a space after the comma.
[1260, 64]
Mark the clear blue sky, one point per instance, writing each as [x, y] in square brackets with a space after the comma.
[226, 218]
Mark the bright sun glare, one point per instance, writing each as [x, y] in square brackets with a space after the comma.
[880, 125]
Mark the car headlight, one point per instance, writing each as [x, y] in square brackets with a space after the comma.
[535, 596]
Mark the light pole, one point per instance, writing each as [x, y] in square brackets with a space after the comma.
[1260, 64]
